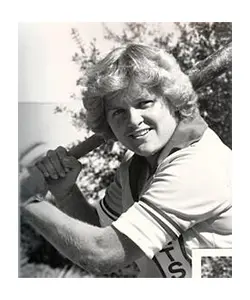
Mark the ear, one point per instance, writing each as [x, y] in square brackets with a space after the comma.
[174, 110]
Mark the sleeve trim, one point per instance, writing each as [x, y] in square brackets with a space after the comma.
[167, 229]
[156, 210]
[106, 211]
[108, 208]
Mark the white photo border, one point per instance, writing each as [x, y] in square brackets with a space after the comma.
[197, 255]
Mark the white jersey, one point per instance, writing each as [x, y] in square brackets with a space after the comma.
[184, 204]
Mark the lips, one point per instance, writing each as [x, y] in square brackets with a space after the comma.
[139, 133]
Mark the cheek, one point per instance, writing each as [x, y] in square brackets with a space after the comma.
[116, 126]
[159, 115]
[165, 122]
[167, 111]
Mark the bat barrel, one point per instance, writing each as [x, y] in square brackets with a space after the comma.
[213, 66]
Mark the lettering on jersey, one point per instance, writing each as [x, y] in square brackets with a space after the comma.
[173, 262]
[172, 269]
[168, 251]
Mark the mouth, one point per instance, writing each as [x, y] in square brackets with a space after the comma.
[139, 133]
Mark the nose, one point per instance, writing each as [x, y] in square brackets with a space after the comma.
[134, 117]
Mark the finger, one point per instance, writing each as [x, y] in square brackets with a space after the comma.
[62, 153]
[50, 168]
[42, 168]
[55, 161]
[71, 162]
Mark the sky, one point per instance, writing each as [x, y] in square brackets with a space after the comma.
[46, 72]
[46, 78]
[37, 122]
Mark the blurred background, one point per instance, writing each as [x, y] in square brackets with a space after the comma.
[52, 61]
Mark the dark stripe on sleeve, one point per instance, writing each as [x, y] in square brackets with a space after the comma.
[183, 250]
[163, 225]
[106, 211]
[159, 267]
[165, 216]
[109, 209]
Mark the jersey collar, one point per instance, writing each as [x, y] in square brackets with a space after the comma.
[186, 133]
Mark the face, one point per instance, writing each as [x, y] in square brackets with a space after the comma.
[140, 120]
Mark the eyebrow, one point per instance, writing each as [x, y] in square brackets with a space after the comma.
[141, 97]
[111, 107]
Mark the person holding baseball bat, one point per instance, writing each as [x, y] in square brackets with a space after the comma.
[172, 191]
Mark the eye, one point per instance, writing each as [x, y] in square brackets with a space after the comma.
[145, 103]
[117, 112]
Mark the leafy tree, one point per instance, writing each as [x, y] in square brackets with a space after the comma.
[196, 42]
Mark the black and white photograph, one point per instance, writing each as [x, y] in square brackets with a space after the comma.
[124, 149]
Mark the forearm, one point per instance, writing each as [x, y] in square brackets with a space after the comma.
[76, 206]
[76, 240]
[98, 250]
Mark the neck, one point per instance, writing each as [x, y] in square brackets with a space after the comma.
[152, 160]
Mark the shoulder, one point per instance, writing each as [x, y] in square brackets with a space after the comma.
[208, 152]
[203, 168]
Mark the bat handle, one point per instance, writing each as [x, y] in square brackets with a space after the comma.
[86, 146]
[32, 181]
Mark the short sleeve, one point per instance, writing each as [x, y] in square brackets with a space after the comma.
[182, 193]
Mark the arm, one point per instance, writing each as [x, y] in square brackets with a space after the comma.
[98, 250]
[76, 206]
[61, 172]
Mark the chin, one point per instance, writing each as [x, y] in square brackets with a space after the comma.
[147, 151]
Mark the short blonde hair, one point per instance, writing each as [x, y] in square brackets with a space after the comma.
[148, 66]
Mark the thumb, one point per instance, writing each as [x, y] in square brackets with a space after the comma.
[70, 162]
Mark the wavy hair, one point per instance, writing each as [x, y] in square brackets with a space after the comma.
[150, 67]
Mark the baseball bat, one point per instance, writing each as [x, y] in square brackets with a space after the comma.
[201, 74]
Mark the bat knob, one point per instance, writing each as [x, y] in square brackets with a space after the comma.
[32, 182]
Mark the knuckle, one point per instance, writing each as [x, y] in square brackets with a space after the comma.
[41, 167]
[45, 161]
[40, 164]
[61, 152]
[50, 153]
[40, 160]
[61, 149]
